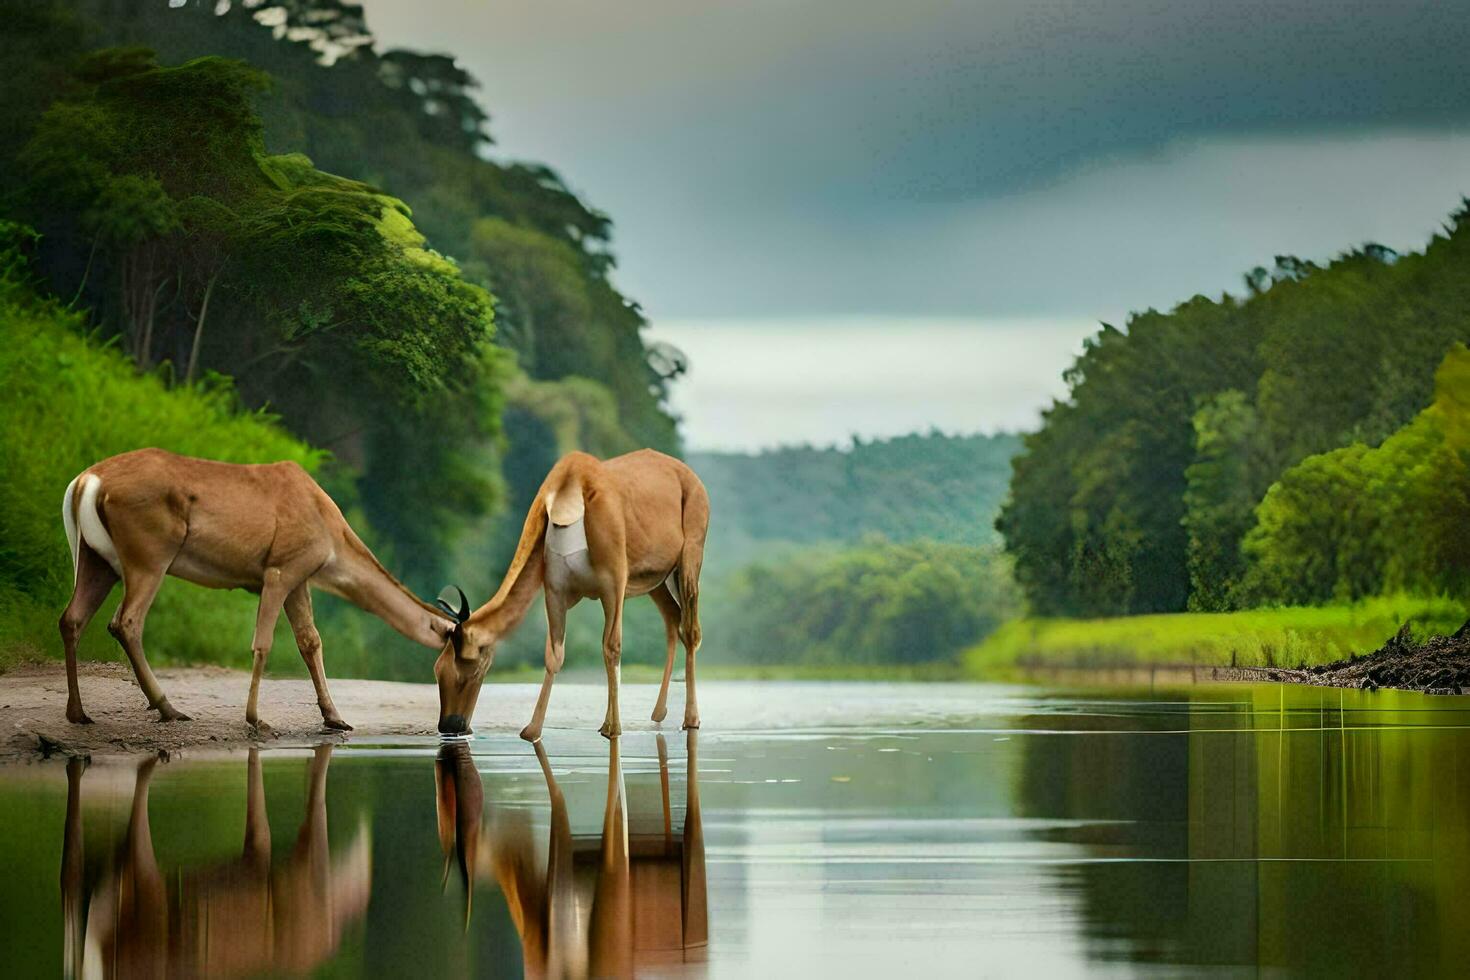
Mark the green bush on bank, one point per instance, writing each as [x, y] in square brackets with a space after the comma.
[874, 604]
[70, 401]
[1280, 637]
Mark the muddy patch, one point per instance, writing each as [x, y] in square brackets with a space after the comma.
[1438, 665]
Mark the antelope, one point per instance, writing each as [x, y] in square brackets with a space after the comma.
[269, 529]
[596, 530]
[243, 917]
[611, 904]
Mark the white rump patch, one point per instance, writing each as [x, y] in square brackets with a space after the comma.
[90, 521]
[568, 539]
[568, 561]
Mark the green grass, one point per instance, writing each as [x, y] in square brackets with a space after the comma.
[1282, 637]
[68, 402]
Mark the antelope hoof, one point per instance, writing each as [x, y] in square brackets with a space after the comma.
[660, 712]
[76, 715]
[691, 721]
[336, 725]
[167, 712]
[609, 730]
[262, 730]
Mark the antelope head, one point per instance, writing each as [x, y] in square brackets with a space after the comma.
[461, 665]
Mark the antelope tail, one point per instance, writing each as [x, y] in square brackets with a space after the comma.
[509, 603]
[83, 523]
[528, 550]
[69, 521]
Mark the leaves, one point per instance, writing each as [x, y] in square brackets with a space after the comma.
[1361, 521]
[1136, 493]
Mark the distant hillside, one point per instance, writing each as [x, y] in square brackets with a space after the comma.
[947, 488]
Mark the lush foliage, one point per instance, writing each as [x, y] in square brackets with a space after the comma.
[944, 488]
[911, 603]
[225, 189]
[183, 205]
[1282, 637]
[1136, 493]
[69, 401]
[411, 123]
[1362, 521]
[316, 292]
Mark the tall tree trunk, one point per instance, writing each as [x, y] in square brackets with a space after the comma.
[199, 329]
[134, 300]
[87, 272]
[145, 357]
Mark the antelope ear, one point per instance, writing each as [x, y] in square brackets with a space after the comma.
[460, 611]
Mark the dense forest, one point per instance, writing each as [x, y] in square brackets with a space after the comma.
[243, 231]
[923, 486]
[302, 246]
[879, 602]
[69, 397]
[255, 190]
[1288, 445]
[251, 199]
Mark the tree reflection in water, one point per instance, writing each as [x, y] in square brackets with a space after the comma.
[1288, 828]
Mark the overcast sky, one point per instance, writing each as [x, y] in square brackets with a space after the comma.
[869, 217]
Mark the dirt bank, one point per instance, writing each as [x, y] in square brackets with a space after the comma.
[33, 710]
[1439, 665]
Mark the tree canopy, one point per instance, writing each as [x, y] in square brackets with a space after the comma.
[257, 190]
[1361, 521]
[931, 486]
[316, 292]
[1137, 491]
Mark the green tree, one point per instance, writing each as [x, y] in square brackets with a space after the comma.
[1361, 521]
[877, 602]
[316, 292]
[1223, 486]
[1129, 500]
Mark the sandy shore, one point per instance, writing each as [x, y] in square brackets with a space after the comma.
[33, 710]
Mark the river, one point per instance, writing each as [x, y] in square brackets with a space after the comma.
[823, 829]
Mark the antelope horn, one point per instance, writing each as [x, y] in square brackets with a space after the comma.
[458, 613]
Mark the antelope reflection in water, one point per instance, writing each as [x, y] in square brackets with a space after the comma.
[235, 918]
[603, 905]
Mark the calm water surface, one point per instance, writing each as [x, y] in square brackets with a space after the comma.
[810, 830]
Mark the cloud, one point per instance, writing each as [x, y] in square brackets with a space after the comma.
[757, 383]
[893, 179]
[778, 158]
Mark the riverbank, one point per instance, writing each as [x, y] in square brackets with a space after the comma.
[1285, 640]
[1439, 664]
[33, 708]
[33, 711]
[33, 721]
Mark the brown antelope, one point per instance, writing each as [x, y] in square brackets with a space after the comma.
[629, 526]
[612, 904]
[268, 529]
[239, 918]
